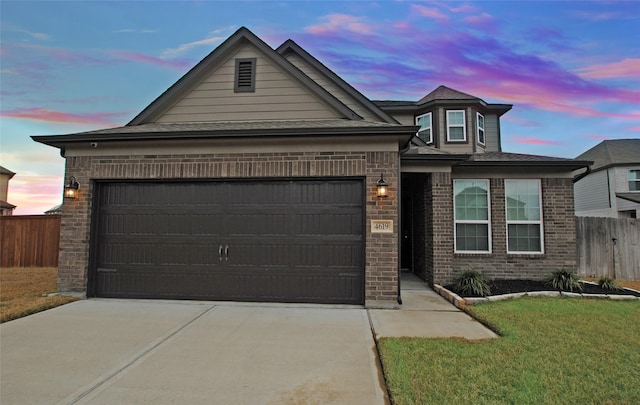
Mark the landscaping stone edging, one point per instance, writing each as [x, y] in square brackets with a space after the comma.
[461, 303]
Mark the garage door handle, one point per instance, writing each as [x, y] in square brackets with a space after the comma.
[220, 252]
[226, 253]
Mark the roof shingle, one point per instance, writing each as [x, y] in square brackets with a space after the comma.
[613, 152]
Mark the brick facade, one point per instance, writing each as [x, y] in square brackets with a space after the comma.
[559, 238]
[381, 258]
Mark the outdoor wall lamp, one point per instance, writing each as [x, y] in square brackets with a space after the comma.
[383, 188]
[71, 189]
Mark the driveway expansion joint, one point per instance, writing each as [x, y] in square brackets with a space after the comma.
[136, 358]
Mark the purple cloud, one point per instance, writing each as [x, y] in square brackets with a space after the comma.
[628, 68]
[528, 140]
[379, 64]
[428, 12]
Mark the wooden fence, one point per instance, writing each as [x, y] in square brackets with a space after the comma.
[608, 247]
[29, 240]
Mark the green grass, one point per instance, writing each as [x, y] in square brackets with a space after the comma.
[552, 351]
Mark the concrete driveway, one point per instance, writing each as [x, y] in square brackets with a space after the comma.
[128, 351]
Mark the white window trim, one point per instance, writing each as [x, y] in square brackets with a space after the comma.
[430, 125]
[484, 131]
[464, 126]
[635, 180]
[539, 222]
[487, 222]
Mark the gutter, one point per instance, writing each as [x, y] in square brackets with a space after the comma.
[582, 175]
[59, 140]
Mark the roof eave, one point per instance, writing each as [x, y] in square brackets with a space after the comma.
[569, 165]
[499, 109]
[60, 141]
[431, 158]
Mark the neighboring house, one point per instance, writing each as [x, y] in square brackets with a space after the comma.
[57, 210]
[254, 178]
[612, 187]
[5, 176]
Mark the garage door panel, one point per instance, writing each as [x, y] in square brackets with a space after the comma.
[267, 285]
[290, 241]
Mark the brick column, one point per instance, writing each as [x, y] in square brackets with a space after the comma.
[441, 227]
[382, 269]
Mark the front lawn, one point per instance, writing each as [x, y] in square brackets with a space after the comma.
[23, 291]
[552, 351]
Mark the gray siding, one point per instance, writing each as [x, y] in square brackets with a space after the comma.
[277, 96]
[591, 193]
[491, 130]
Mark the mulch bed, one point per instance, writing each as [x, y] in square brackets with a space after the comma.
[499, 287]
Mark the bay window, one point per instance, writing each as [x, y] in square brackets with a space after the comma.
[456, 128]
[425, 132]
[480, 128]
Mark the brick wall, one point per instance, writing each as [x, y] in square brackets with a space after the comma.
[381, 261]
[559, 238]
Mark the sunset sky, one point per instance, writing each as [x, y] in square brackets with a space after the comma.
[570, 68]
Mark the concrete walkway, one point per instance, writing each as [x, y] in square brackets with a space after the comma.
[424, 313]
[101, 351]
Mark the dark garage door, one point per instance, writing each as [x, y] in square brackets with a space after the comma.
[283, 241]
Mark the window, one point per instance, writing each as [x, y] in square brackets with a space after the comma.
[634, 180]
[424, 132]
[245, 77]
[480, 128]
[472, 232]
[456, 131]
[524, 216]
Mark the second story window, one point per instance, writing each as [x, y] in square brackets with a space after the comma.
[634, 180]
[480, 128]
[456, 130]
[425, 133]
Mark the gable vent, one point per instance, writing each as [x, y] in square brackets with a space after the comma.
[245, 76]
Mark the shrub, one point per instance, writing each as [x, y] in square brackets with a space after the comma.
[473, 283]
[564, 280]
[608, 283]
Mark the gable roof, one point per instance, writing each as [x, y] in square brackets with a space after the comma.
[290, 46]
[614, 152]
[200, 71]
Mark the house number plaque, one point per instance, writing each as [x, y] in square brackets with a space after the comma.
[382, 226]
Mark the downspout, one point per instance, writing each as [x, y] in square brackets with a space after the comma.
[583, 175]
[405, 148]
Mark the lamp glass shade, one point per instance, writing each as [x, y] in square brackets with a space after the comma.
[383, 190]
[70, 192]
[71, 189]
[382, 187]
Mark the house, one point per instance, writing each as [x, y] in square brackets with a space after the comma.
[612, 187]
[261, 175]
[5, 176]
